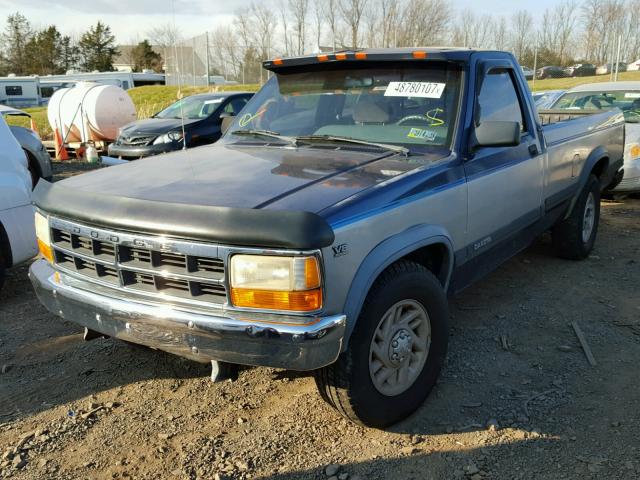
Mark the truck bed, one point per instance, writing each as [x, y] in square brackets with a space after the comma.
[560, 124]
[571, 138]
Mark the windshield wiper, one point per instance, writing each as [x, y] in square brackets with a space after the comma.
[335, 138]
[266, 133]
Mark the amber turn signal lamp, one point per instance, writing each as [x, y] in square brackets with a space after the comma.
[45, 250]
[303, 301]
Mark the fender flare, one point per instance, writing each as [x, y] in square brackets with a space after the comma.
[386, 253]
[594, 157]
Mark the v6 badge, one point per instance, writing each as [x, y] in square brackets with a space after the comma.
[340, 250]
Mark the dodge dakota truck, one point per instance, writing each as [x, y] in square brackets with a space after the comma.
[353, 194]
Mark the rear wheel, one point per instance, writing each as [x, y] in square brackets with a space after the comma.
[396, 350]
[574, 237]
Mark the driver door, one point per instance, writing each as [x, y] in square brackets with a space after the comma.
[504, 183]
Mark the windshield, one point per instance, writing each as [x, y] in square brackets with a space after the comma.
[627, 101]
[410, 106]
[191, 108]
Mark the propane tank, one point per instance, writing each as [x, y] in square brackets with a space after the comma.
[90, 111]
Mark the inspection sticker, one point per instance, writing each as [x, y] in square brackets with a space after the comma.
[414, 89]
[429, 135]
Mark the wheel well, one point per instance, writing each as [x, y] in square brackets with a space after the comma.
[33, 161]
[600, 167]
[5, 248]
[435, 258]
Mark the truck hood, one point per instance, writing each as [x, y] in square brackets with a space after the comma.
[248, 176]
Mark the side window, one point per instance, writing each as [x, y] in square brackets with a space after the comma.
[498, 100]
[235, 105]
[13, 90]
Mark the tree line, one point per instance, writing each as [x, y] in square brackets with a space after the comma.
[25, 50]
[572, 31]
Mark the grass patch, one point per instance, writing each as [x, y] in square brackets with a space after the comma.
[148, 100]
[566, 83]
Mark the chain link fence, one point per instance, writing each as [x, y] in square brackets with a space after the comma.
[208, 59]
[212, 59]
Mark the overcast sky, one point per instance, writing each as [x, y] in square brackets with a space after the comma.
[131, 19]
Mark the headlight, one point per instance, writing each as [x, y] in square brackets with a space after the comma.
[174, 136]
[43, 234]
[276, 282]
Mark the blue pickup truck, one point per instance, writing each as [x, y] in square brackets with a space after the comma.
[353, 194]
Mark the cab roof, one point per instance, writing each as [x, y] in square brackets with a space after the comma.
[458, 54]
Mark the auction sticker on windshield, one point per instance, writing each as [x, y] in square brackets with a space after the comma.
[414, 89]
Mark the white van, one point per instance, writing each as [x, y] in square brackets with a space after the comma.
[17, 230]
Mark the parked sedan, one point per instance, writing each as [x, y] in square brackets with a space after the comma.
[527, 72]
[550, 72]
[607, 68]
[546, 98]
[580, 70]
[602, 96]
[37, 155]
[190, 122]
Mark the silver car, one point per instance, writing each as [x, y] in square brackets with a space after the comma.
[37, 155]
[601, 96]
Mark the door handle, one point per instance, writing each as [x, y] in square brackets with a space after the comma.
[533, 150]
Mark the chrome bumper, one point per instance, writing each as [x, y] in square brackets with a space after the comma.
[233, 337]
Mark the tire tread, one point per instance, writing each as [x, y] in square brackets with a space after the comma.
[332, 381]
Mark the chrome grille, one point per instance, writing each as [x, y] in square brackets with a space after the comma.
[151, 265]
[137, 141]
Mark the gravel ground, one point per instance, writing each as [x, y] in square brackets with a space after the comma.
[517, 398]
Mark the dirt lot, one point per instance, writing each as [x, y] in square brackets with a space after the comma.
[517, 398]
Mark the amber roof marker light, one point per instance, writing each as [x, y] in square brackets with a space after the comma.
[361, 55]
[341, 56]
[323, 57]
[277, 61]
[419, 54]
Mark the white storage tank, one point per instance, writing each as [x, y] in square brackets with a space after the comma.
[90, 111]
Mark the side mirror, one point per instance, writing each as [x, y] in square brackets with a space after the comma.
[497, 134]
[226, 119]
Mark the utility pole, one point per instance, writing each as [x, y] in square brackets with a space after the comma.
[615, 78]
[206, 36]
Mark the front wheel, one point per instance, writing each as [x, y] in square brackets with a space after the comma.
[396, 350]
[573, 238]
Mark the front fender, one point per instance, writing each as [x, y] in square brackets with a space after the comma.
[386, 253]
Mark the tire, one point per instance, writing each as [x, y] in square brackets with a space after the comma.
[572, 238]
[348, 384]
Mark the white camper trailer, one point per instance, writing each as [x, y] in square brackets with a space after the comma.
[20, 92]
[124, 80]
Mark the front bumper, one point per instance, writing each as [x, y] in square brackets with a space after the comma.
[631, 179]
[133, 152]
[232, 337]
